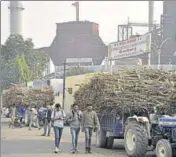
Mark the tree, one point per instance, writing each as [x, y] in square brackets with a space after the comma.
[20, 61]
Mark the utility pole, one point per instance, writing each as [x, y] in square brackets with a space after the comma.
[0, 79]
[63, 98]
[76, 5]
[159, 51]
[110, 58]
[150, 22]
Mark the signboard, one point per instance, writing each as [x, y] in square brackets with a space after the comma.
[79, 60]
[132, 47]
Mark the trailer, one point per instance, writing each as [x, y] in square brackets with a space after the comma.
[139, 133]
[111, 127]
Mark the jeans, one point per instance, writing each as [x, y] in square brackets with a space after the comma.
[47, 127]
[88, 137]
[74, 134]
[57, 133]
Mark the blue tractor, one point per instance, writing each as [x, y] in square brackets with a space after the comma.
[139, 133]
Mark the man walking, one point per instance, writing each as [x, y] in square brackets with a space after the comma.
[47, 121]
[89, 124]
[58, 116]
[13, 115]
[74, 120]
[34, 118]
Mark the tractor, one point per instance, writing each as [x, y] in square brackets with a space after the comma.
[157, 132]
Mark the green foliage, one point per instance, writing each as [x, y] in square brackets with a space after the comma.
[20, 61]
[25, 72]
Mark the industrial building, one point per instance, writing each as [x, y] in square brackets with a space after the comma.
[77, 39]
[80, 39]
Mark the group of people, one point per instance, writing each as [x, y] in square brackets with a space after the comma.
[16, 113]
[86, 121]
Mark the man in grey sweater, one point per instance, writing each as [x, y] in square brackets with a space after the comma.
[89, 124]
[74, 120]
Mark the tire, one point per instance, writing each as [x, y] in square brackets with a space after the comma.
[109, 142]
[101, 139]
[163, 148]
[135, 140]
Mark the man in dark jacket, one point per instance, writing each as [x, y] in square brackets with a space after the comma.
[47, 121]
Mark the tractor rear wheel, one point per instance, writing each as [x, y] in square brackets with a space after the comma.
[135, 140]
[163, 148]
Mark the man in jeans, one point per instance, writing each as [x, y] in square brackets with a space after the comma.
[74, 120]
[47, 121]
[58, 116]
[89, 124]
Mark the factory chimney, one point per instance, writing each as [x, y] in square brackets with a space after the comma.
[16, 9]
[150, 22]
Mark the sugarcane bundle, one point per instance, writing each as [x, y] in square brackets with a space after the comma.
[28, 96]
[132, 90]
[40, 96]
[14, 95]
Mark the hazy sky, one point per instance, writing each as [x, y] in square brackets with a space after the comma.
[40, 18]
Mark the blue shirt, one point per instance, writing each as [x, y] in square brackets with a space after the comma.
[21, 110]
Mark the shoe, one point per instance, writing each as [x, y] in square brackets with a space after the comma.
[43, 135]
[77, 151]
[86, 151]
[59, 150]
[89, 151]
[56, 150]
[73, 151]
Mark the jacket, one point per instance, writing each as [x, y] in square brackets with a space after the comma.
[74, 119]
[89, 120]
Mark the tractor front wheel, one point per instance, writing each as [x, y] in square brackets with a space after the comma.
[163, 148]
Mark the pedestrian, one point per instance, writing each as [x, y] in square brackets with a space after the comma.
[13, 115]
[34, 118]
[89, 124]
[74, 119]
[58, 116]
[47, 121]
[21, 113]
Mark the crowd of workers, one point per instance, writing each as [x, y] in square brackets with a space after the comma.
[86, 121]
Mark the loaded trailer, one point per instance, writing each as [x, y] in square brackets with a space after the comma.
[139, 133]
